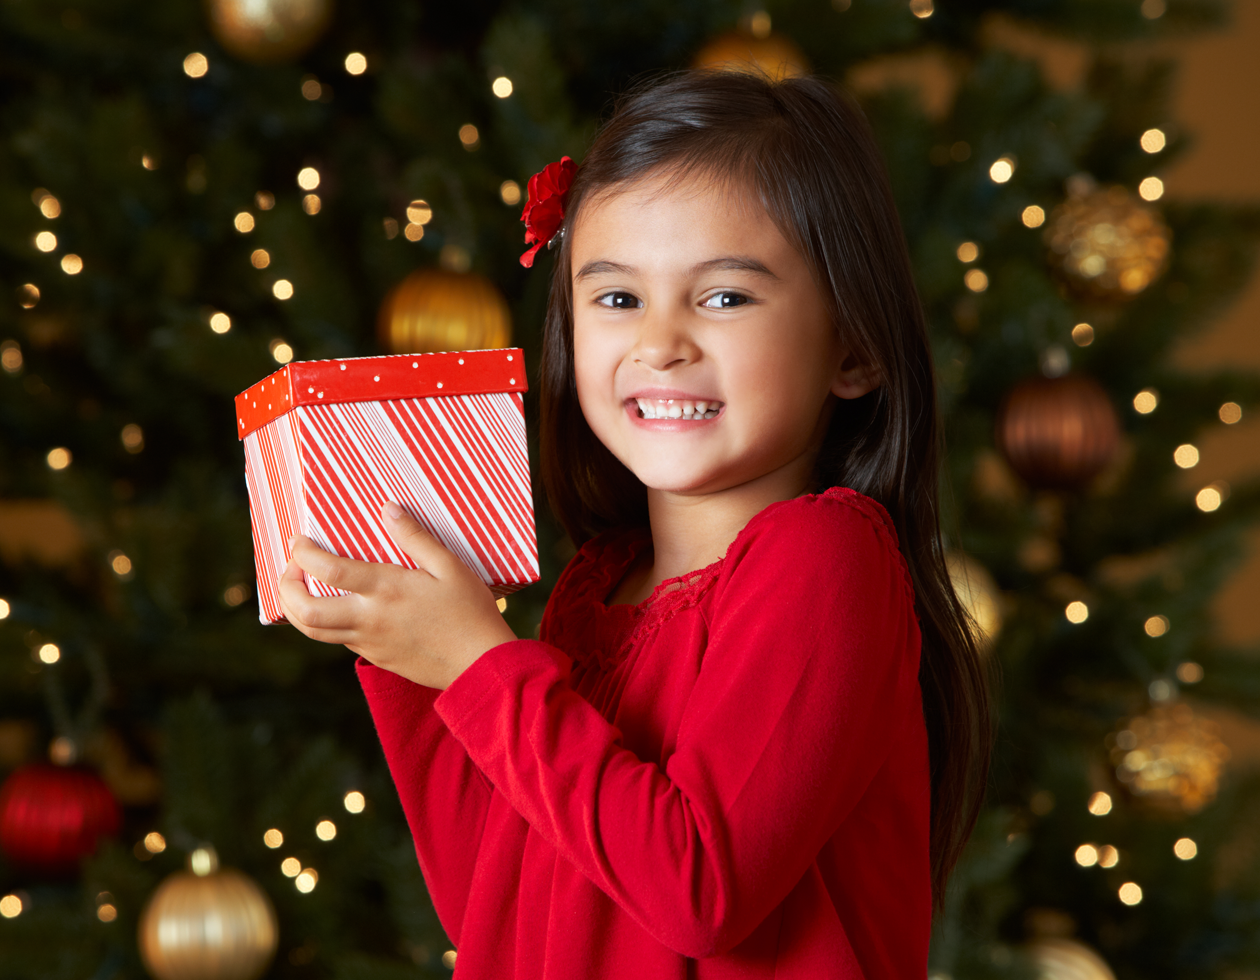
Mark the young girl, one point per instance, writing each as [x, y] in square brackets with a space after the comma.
[754, 734]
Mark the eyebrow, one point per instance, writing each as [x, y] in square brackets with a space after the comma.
[732, 263]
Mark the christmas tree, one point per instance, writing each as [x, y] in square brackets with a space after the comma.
[193, 196]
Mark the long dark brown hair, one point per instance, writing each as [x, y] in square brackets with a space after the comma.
[804, 147]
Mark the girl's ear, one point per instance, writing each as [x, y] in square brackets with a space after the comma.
[853, 377]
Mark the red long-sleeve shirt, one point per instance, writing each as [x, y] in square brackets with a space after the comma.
[729, 780]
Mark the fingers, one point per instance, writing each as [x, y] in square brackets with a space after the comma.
[426, 550]
[332, 619]
[340, 573]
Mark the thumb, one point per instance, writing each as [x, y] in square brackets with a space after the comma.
[410, 535]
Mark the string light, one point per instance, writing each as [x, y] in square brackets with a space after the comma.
[154, 842]
[10, 906]
[1082, 335]
[273, 838]
[922, 9]
[968, 252]
[976, 280]
[1108, 856]
[234, 595]
[1151, 189]
[1208, 499]
[28, 296]
[1033, 216]
[264, 201]
[1146, 401]
[1186, 456]
[1076, 612]
[311, 204]
[1087, 855]
[1186, 849]
[413, 232]
[311, 89]
[469, 136]
[419, 212]
[59, 458]
[1099, 804]
[1153, 140]
[308, 178]
[290, 867]
[1189, 672]
[1130, 893]
[48, 205]
[325, 830]
[510, 192]
[354, 801]
[1156, 626]
[220, 322]
[282, 289]
[1002, 169]
[448, 959]
[260, 258]
[45, 241]
[71, 264]
[11, 356]
[356, 63]
[244, 222]
[106, 912]
[501, 86]
[1229, 413]
[120, 563]
[5, 609]
[196, 65]
[49, 653]
[281, 351]
[305, 881]
[1153, 9]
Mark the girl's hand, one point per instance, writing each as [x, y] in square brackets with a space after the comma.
[426, 624]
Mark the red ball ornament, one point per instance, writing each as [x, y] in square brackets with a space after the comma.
[53, 816]
[1058, 433]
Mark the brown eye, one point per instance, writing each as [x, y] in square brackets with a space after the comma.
[619, 301]
[726, 300]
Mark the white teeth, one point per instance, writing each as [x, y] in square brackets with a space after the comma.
[669, 408]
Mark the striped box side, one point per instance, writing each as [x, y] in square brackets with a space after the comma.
[274, 479]
[457, 463]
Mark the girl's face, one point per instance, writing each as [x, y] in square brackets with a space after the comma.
[704, 353]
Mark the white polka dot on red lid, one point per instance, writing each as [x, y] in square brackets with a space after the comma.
[509, 357]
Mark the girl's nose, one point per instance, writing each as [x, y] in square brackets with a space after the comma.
[664, 341]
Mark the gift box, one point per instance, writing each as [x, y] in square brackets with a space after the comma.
[442, 435]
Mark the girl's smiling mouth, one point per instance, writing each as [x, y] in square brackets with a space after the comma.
[677, 408]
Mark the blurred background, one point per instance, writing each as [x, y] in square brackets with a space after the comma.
[193, 195]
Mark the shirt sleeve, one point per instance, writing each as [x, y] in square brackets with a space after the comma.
[444, 796]
[812, 658]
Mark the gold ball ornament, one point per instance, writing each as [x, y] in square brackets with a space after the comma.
[218, 925]
[774, 54]
[1107, 244]
[1170, 758]
[266, 31]
[1066, 959]
[443, 310]
[978, 594]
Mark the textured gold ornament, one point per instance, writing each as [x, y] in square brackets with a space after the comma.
[775, 55]
[268, 30]
[1169, 757]
[1067, 959]
[444, 310]
[217, 926]
[1107, 244]
[978, 594]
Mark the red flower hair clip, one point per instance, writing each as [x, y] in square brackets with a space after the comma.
[544, 210]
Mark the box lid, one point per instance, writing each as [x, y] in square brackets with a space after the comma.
[364, 379]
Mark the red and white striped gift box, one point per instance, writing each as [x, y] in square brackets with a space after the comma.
[443, 435]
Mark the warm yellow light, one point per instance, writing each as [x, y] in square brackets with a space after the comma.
[273, 838]
[45, 241]
[203, 861]
[1151, 189]
[280, 351]
[1153, 140]
[244, 222]
[413, 232]
[148, 161]
[311, 204]
[63, 750]
[1145, 401]
[71, 264]
[510, 192]
[760, 24]
[50, 653]
[356, 63]
[968, 252]
[325, 830]
[1156, 626]
[419, 212]
[11, 356]
[49, 206]
[260, 258]
[448, 959]
[1033, 216]
[1130, 893]
[1099, 804]
[264, 201]
[1082, 335]
[308, 178]
[1229, 413]
[311, 89]
[1186, 849]
[1208, 499]
[501, 86]
[1002, 170]
[28, 296]
[282, 289]
[234, 595]
[10, 906]
[1076, 612]
[106, 912]
[290, 867]
[501, 603]
[922, 8]
[469, 136]
[1087, 855]
[1189, 672]
[5, 609]
[976, 280]
[154, 842]
[220, 322]
[59, 458]
[1153, 9]
[1108, 856]
[305, 882]
[1186, 456]
[354, 801]
[196, 65]
[120, 563]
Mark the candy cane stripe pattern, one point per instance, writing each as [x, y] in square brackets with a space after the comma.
[442, 435]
